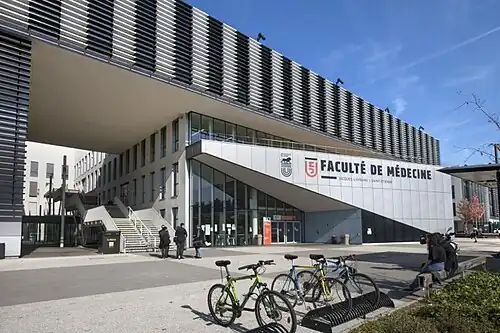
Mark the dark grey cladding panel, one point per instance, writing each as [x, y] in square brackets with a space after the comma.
[15, 59]
[100, 27]
[336, 110]
[266, 76]
[322, 104]
[145, 34]
[384, 229]
[183, 42]
[215, 59]
[306, 96]
[287, 88]
[242, 69]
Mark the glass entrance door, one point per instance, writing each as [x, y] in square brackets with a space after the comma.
[284, 232]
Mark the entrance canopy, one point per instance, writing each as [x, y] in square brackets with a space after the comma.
[483, 174]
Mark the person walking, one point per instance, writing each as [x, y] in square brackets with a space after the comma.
[164, 242]
[199, 241]
[180, 240]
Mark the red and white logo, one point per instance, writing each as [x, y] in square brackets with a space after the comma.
[311, 167]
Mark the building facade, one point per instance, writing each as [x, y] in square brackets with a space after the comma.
[464, 189]
[195, 77]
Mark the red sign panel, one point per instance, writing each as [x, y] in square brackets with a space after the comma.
[312, 168]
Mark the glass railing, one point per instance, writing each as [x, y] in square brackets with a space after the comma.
[203, 135]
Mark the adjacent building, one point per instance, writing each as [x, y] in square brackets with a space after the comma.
[211, 128]
[464, 189]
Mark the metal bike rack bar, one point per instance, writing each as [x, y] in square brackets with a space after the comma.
[269, 328]
[325, 318]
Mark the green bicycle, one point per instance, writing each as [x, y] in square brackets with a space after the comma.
[311, 285]
[277, 308]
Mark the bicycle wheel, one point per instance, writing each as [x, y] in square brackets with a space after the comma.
[277, 308]
[222, 304]
[334, 292]
[362, 285]
[307, 280]
[285, 285]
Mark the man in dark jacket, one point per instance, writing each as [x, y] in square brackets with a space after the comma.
[198, 241]
[164, 241]
[180, 240]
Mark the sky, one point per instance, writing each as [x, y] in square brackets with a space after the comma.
[421, 59]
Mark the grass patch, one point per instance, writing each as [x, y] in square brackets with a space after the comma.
[466, 305]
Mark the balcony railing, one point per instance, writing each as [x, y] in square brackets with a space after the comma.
[203, 135]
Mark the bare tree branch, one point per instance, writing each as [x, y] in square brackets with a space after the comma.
[481, 150]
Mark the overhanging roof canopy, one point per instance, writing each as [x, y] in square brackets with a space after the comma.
[483, 174]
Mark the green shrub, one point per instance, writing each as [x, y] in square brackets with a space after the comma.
[466, 305]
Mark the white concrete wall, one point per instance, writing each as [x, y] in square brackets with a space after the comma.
[422, 203]
[43, 154]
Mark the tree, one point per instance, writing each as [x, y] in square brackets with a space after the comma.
[470, 211]
[477, 105]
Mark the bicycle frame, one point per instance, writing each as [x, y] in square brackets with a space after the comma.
[231, 284]
[316, 269]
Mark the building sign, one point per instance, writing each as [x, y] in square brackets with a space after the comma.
[286, 164]
[332, 169]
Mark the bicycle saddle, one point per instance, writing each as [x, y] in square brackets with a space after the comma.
[291, 256]
[316, 257]
[222, 263]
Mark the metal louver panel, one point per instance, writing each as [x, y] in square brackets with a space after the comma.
[357, 119]
[428, 149]
[183, 23]
[277, 78]
[306, 97]
[145, 35]
[242, 69]
[377, 131]
[15, 58]
[344, 114]
[331, 126]
[396, 147]
[254, 75]
[99, 27]
[337, 110]
[215, 58]
[369, 129]
[438, 152]
[165, 39]
[297, 92]
[351, 112]
[287, 88]
[230, 79]
[123, 33]
[409, 143]
[74, 20]
[322, 105]
[416, 145]
[382, 130]
[267, 73]
[314, 101]
[361, 120]
[200, 49]
[45, 17]
[402, 140]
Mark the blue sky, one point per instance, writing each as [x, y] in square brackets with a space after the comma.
[410, 56]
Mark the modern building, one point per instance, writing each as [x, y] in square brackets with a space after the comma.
[466, 189]
[44, 171]
[210, 127]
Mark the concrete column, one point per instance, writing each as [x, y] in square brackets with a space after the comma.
[253, 208]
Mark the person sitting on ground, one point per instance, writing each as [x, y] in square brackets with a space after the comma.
[436, 259]
[451, 263]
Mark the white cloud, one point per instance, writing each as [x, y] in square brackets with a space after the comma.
[470, 74]
[340, 54]
[399, 105]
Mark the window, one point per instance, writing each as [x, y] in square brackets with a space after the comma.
[163, 141]
[163, 182]
[152, 182]
[127, 162]
[152, 147]
[453, 191]
[143, 152]
[162, 213]
[134, 193]
[454, 209]
[109, 171]
[33, 193]
[121, 164]
[49, 170]
[175, 135]
[103, 174]
[115, 162]
[175, 216]
[134, 157]
[34, 169]
[175, 180]
[143, 189]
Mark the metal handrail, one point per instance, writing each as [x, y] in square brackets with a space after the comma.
[158, 216]
[288, 144]
[151, 238]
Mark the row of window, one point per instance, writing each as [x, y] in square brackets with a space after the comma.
[49, 169]
[90, 160]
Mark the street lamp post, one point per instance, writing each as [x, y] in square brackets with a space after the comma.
[63, 198]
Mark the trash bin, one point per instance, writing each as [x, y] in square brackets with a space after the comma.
[110, 242]
[259, 239]
[346, 239]
[334, 239]
[2, 251]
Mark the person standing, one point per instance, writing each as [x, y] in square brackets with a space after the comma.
[164, 242]
[180, 240]
[199, 241]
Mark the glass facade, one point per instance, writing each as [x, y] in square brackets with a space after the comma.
[232, 212]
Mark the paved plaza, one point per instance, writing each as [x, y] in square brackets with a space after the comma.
[140, 293]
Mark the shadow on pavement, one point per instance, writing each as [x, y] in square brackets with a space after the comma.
[209, 320]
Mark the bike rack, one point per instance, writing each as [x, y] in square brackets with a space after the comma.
[269, 328]
[325, 318]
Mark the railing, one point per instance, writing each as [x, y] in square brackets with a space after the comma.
[143, 230]
[285, 144]
[157, 217]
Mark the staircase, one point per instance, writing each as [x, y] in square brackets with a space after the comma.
[135, 242]
[155, 229]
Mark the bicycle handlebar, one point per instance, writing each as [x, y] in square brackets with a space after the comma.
[257, 265]
[343, 259]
